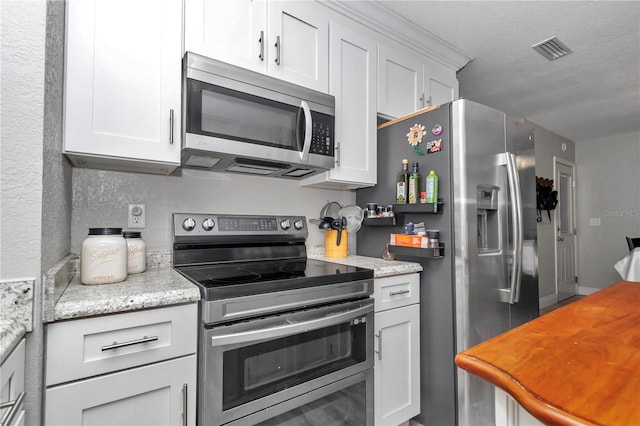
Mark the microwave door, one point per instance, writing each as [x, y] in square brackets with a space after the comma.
[303, 137]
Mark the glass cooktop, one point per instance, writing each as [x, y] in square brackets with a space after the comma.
[238, 279]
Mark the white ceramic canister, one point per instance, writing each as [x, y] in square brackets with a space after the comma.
[103, 258]
[136, 249]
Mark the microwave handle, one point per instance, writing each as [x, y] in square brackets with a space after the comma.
[303, 138]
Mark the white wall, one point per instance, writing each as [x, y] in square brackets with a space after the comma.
[100, 198]
[608, 180]
[548, 145]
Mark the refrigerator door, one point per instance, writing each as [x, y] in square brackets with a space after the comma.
[520, 142]
[483, 257]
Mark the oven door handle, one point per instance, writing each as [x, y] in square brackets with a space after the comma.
[289, 329]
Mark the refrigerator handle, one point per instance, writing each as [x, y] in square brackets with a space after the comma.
[513, 179]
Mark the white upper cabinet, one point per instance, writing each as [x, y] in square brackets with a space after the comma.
[286, 39]
[409, 81]
[122, 84]
[400, 81]
[353, 83]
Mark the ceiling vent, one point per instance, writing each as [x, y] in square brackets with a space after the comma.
[552, 48]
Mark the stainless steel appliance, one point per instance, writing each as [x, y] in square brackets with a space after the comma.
[486, 280]
[283, 339]
[241, 121]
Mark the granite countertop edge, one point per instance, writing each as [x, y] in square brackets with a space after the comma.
[381, 267]
[11, 332]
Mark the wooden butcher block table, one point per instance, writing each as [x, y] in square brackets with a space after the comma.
[579, 364]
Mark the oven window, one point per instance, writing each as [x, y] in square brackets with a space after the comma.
[346, 407]
[255, 371]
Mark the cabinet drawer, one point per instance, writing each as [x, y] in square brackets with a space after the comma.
[396, 291]
[88, 347]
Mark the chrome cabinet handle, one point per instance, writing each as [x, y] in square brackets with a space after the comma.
[379, 351]
[421, 100]
[171, 126]
[185, 390]
[15, 405]
[396, 293]
[277, 45]
[336, 160]
[116, 345]
[261, 41]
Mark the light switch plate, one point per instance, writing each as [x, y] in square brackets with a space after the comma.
[594, 221]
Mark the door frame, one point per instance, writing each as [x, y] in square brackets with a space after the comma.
[567, 163]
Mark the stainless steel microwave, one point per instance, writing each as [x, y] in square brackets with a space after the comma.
[236, 120]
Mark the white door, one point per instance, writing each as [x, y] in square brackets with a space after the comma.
[123, 79]
[156, 394]
[397, 365]
[298, 44]
[564, 183]
[230, 31]
[400, 82]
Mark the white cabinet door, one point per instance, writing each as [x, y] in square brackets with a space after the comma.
[298, 44]
[157, 394]
[400, 81]
[397, 365]
[12, 386]
[230, 31]
[122, 82]
[353, 83]
[510, 413]
[441, 84]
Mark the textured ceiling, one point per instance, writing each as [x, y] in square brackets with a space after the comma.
[589, 94]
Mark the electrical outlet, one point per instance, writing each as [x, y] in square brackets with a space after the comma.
[136, 217]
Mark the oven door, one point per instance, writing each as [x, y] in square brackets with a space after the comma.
[347, 402]
[250, 366]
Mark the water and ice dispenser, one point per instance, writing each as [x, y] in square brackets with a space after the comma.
[488, 229]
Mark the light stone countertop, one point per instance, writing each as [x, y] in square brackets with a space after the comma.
[10, 334]
[381, 268]
[156, 287]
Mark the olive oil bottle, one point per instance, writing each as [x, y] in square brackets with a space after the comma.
[414, 185]
[402, 184]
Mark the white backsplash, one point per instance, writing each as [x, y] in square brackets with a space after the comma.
[100, 199]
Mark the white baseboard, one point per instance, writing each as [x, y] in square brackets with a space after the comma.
[548, 300]
[587, 290]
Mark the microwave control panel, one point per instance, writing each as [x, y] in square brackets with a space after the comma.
[322, 134]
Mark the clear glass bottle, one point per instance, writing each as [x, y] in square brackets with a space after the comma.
[103, 258]
[136, 252]
[414, 185]
[402, 183]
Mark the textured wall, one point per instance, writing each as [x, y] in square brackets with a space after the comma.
[22, 100]
[100, 198]
[22, 103]
[548, 145]
[609, 189]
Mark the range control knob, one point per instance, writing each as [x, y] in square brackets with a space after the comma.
[298, 224]
[188, 224]
[208, 224]
[285, 224]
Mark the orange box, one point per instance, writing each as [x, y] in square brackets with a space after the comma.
[404, 240]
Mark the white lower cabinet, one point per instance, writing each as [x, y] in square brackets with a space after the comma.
[136, 368]
[397, 350]
[510, 413]
[156, 394]
[12, 387]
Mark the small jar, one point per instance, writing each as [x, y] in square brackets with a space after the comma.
[136, 249]
[103, 258]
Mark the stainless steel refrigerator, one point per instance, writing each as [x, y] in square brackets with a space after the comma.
[486, 281]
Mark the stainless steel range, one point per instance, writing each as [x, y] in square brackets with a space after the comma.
[283, 340]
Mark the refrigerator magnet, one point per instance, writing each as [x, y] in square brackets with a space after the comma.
[434, 146]
[416, 132]
[436, 130]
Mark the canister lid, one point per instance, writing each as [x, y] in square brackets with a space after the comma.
[105, 231]
[132, 234]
